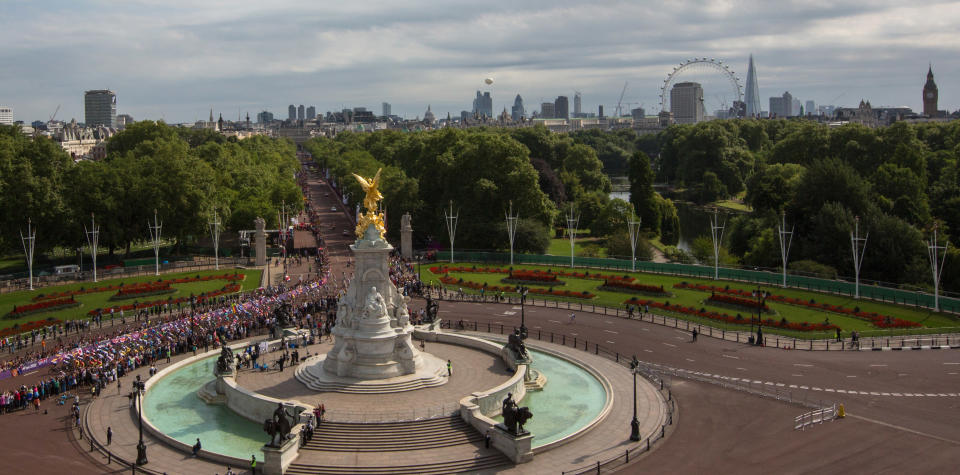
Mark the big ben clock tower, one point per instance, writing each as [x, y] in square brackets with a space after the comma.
[930, 95]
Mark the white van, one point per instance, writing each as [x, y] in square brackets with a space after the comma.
[70, 269]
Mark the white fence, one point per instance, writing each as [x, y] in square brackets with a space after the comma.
[819, 416]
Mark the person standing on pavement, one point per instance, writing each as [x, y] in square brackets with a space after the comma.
[694, 334]
[109, 435]
[449, 368]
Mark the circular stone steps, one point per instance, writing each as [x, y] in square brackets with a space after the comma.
[310, 373]
[395, 436]
[484, 462]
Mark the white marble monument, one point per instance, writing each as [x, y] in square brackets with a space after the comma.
[373, 349]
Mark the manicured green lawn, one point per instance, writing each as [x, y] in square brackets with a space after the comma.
[693, 298]
[561, 246]
[734, 205]
[101, 299]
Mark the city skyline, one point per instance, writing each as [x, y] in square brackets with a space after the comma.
[416, 54]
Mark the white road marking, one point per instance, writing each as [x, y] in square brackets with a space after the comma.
[669, 344]
[901, 374]
[851, 376]
[611, 342]
[645, 329]
[648, 351]
[574, 334]
[793, 386]
[688, 359]
[611, 331]
[516, 307]
[878, 365]
[553, 321]
[952, 374]
[884, 394]
[728, 356]
[797, 375]
[507, 312]
[742, 369]
[951, 363]
[538, 326]
[803, 365]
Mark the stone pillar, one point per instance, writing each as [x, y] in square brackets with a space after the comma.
[260, 241]
[406, 237]
[279, 459]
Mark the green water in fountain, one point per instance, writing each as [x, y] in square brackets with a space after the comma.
[172, 405]
[571, 399]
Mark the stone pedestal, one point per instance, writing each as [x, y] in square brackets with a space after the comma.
[373, 330]
[278, 459]
[518, 448]
[406, 237]
[260, 242]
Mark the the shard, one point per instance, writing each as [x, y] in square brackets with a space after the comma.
[752, 95]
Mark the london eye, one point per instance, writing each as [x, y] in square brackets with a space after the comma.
[721, 86]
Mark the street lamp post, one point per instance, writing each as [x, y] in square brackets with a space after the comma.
[523, 321]
[635, 423]
[761, 296]
[138, 386]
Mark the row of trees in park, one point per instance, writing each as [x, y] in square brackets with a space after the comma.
[481, 171]
[899, 181]
[182, 173]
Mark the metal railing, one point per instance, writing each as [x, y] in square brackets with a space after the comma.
[825, 343]
[105, 452]
[205, 263]
[818, 416]
[882, 292]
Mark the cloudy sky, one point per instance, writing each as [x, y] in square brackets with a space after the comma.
[175, 59]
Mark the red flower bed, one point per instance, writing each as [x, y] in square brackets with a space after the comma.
[564, 293]
[533, 276]
[28, 326]
[227, 289]
[504, 288]
[110, 288]
[44, 306]
[747, 304]
[132, 290]
[477, 285]
[723, 317]
[876, 319]
[617, 284]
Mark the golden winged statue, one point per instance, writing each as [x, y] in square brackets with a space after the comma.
[372, 216]
[370, 188]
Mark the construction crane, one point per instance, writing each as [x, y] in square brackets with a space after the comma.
[619, 110]
[54, 116]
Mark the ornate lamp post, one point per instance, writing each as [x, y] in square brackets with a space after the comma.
[523, 321]
[138, 387]
[635, 423]
[761, 296]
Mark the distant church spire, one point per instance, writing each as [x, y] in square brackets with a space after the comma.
[751, 96]
[211, 115]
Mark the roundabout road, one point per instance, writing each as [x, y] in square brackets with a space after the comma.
[908, 398]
